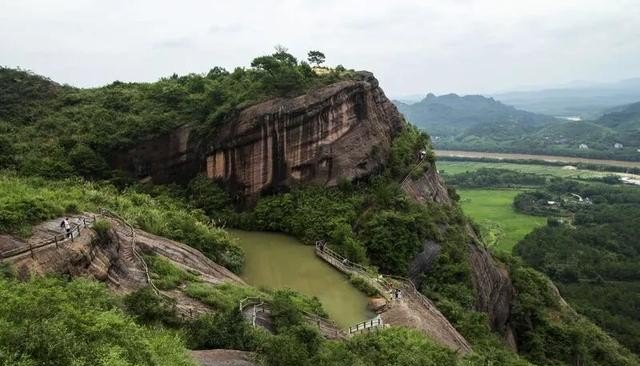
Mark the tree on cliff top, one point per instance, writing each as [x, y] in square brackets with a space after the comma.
[315, 57]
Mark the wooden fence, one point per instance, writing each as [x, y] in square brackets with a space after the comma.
[57, 240]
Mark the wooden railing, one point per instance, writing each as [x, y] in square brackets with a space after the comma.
[346, 266]
[57, 240]
[258, 307]
[369, 325]
[418, 164]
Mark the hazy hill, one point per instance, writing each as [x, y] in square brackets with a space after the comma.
[581, 99]
[452, 114]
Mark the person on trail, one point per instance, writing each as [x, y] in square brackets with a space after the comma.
[397, 294]
[66, 226]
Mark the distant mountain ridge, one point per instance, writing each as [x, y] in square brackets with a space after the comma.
[451, 114]
[587, 100]
[479, 123]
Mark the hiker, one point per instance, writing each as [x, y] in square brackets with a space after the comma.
[66, 226]
[397, 294]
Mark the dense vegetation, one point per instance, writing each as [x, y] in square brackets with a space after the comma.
[491, 177]
[594, 260]
[550, 332]
[59, 131]
[52, 322]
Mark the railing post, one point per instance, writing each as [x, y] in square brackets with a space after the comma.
[31, 250]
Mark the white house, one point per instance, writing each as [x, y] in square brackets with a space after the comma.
[583, 147]
[617, 145]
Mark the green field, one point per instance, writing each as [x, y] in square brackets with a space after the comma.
[502, 227]
[457, 167]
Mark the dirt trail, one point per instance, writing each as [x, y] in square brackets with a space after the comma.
[418, 312]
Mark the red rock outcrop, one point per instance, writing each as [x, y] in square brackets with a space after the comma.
[339, 132]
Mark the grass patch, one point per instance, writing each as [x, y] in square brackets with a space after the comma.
[222, 297]
[501, 225]
[167, 276]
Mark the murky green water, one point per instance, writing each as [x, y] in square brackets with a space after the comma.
[279, 261]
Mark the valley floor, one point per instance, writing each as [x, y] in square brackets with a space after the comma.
[501, 226]
[549, 158]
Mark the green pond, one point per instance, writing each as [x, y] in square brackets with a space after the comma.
[280, 261]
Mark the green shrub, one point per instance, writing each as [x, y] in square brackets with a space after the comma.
[222, 297]
[101, 229]
[166, 276]
[51, 322]
[151, 309]
[228, 330]
[7, 271]
[363, 285]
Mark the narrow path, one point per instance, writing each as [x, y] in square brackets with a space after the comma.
[38, 242]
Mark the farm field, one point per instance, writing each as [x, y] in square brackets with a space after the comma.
[456, 167]
[492, 209]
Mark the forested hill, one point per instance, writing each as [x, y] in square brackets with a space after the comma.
[452, 114]
[624, 119]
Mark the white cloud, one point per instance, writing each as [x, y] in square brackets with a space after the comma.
[412, 46]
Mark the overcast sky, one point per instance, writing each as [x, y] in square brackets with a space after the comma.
[413, 47]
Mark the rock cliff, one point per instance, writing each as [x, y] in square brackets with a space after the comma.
[113, 262]
[339, 132]
[429, 187]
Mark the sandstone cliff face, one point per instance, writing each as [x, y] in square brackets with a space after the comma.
[429, 187]
[342, 131]
[494, 290]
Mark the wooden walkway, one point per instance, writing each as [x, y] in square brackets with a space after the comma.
[57, 240]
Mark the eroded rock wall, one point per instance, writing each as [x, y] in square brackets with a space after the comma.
[339, 132]
[343, 131]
